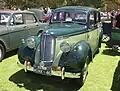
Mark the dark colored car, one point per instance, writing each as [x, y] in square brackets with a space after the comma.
[113, 30]
[67, 45]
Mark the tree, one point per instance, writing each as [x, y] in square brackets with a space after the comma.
[59, 3]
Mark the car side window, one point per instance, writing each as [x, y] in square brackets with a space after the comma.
[17, 19]
[2, 18]
[97, 17]
[29, 18]
[94, 19]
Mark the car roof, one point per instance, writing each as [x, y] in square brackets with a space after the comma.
[14, 11]
[84, 8]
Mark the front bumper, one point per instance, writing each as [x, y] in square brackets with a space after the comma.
[61, 73]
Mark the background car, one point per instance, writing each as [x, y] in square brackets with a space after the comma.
[39, 13]
[15, 25]
[114, 33]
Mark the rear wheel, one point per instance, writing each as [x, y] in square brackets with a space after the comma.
[2, 52]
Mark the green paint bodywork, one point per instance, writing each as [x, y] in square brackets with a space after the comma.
[74, 60]
[114, 37]
[26, 53]
[115, 34]
[65, 29]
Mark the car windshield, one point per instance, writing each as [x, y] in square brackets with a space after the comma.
[69, 16]
[4, 17]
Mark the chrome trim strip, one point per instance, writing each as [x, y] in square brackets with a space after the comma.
[47, 47]
[44, 47]
[54, 73]
[66, 74]
[63, 73]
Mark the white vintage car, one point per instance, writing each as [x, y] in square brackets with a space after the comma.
[15, 25]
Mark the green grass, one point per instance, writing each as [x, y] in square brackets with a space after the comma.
[103, 75]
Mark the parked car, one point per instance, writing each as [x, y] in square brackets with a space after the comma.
[67, 45]
[39, 13]
[107, 28]
[15, 25]
[114, 34]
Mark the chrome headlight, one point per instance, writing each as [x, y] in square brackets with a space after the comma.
[65, 46]
[31, 42]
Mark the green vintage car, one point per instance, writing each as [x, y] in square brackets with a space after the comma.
[66, 46]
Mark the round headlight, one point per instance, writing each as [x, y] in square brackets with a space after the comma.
[65, 46]
[31, 43]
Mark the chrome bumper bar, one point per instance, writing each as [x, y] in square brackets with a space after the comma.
[62, 74]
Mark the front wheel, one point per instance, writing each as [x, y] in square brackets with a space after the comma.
[84, 73]
[2, 52]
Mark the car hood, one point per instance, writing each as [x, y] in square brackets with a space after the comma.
[65, 29]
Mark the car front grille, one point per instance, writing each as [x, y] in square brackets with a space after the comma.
[47, 47]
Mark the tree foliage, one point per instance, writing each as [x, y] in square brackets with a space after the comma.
[103, 4]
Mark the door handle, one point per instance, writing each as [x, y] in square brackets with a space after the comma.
[24, 26]
[88, 36]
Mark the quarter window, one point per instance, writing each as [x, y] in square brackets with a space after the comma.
[97, 17]
[30, 18]
[92, 19]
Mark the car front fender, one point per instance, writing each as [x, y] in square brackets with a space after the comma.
[25, 53]
[76, 58]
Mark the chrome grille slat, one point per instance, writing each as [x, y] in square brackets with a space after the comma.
[47, 47]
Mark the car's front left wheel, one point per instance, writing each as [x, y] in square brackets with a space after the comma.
[84, 73]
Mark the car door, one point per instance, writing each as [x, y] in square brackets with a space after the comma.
[93, 31]
[32, 23]
[17, 30]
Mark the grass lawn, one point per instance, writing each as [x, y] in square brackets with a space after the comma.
[103, 75]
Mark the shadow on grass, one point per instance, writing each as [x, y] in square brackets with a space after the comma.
[11, 53]
[110, 52]
[116, 79]
[34, 82]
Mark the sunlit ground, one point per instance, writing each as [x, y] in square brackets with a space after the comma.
[103, 75]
